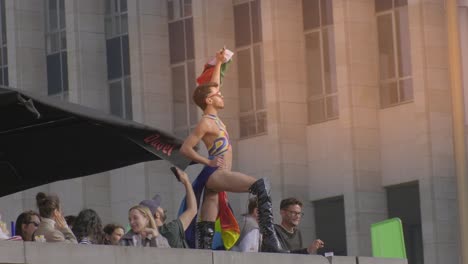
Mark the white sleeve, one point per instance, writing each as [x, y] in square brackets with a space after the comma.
[250, 242]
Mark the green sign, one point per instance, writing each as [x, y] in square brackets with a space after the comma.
[387, 239]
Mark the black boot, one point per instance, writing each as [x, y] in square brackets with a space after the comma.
[261, 188]
[205, 233]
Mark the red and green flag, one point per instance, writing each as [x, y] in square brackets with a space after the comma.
[209, 68]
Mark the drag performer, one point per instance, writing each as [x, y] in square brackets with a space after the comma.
[217, 178]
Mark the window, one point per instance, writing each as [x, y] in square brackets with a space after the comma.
[182, 59]
[56, 42]
[322, 92]
[394, 52]
[3, 46]
[118, 58]
[248, 33]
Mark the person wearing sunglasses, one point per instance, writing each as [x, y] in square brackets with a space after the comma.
[217, 178]
[289, 234]
[26, 224]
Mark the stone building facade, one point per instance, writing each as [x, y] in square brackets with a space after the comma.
[344, 104]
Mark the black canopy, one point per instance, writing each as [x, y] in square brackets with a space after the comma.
[43, 140]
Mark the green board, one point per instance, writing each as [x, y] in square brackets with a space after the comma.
[387, 239]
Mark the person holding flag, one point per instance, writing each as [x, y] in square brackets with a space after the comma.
[217, 178]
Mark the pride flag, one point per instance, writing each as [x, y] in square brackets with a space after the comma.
[209, 68]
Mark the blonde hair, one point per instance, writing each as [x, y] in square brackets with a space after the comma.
[146, 213]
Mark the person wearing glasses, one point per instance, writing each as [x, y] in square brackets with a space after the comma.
[26, 224]
[217, 178]
[289, 234]
[174, 230]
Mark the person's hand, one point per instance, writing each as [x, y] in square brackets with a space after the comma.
[312, 249]
[183, 177]
[220, 56]
[60, 221]
[218, 161]
[149, 233]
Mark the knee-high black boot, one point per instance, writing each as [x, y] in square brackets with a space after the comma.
[261, 188]
[205, 233]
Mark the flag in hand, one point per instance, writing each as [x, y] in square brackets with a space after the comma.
[209, 68]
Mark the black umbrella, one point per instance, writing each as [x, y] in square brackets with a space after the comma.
[43, 140]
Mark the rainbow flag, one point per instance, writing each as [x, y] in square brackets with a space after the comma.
[226, 226]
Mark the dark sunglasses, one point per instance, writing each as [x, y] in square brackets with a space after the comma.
[34, 223]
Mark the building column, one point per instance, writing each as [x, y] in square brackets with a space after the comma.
[86, 50]
[26, 45]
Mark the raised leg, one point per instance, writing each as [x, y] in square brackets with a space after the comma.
[270, 242]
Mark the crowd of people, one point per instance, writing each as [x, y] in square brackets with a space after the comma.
[147, 220]
[148, 225]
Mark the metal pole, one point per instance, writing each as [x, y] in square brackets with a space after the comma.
[458, 123]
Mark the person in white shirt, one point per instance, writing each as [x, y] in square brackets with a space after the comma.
[250, 238]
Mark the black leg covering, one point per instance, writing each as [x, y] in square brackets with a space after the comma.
[205, 233]
[261, 188]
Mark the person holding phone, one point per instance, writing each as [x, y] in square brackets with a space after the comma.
[174, 230]
[217, 177]
[53, 226]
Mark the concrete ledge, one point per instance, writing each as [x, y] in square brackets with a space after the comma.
[369, 260]
[51, 253]
[15, 252]
[45, 253]
[227, 257]
[342, 260]
[12, 252]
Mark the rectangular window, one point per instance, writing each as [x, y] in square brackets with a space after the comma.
[3, 46]
[118, 58]
[248, 34]
[396, 84]
[322, 95]
[182, 58]
[56, 42]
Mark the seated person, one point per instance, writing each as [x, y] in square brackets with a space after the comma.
[53, 226]
[144, 232]
[88, 227]
[4, 233]
[174, 230]
[112, 234]
[70, 219]
[289, 235]
[26, 225]
[250, 239]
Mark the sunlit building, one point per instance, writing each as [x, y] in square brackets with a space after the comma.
[344, 104]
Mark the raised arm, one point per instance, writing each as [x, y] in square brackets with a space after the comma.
[216, 77]
[187, 216]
